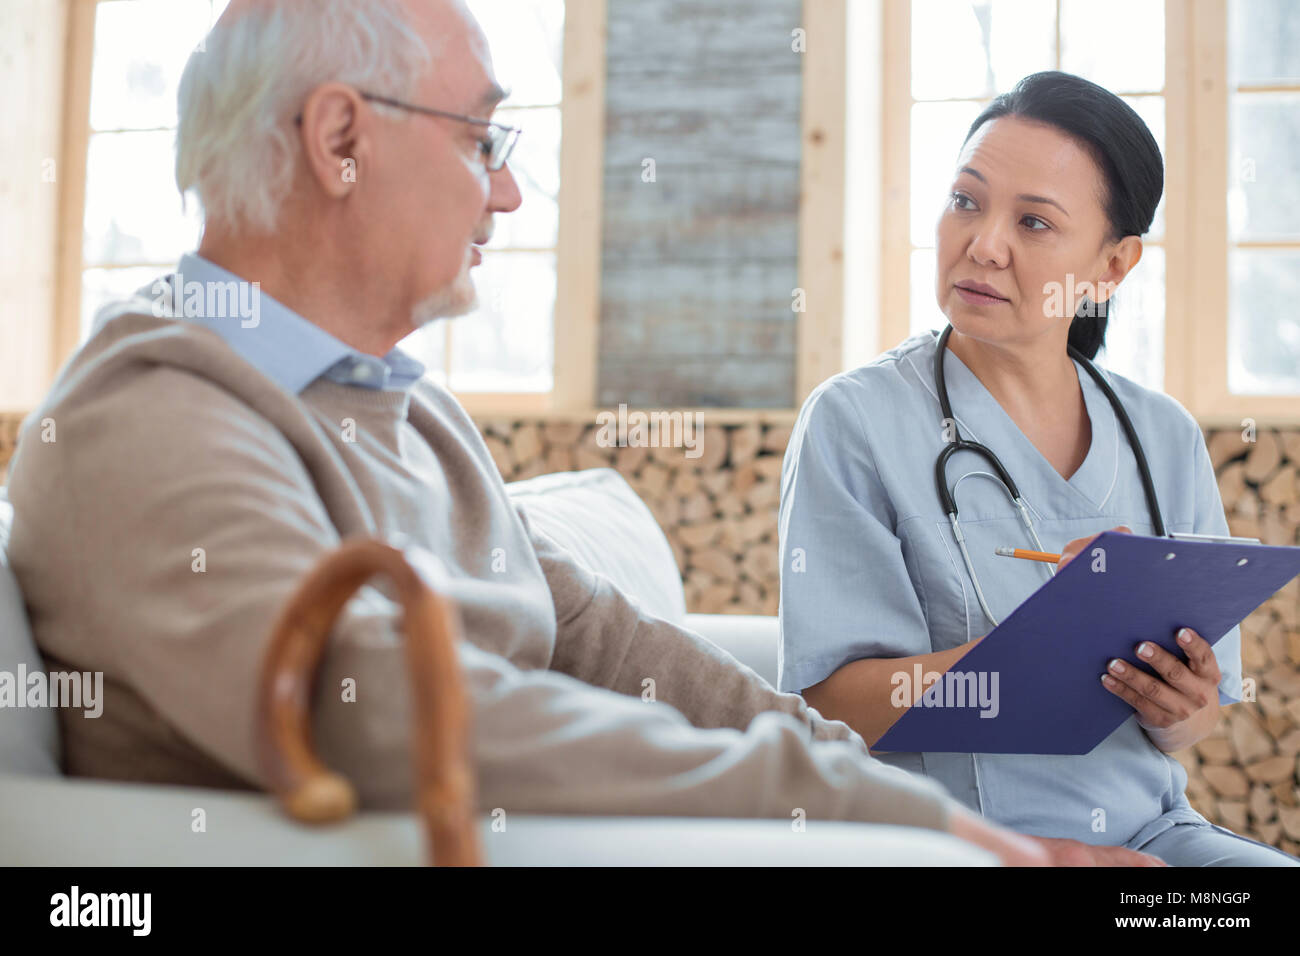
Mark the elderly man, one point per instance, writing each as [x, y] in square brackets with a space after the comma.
[204, 461]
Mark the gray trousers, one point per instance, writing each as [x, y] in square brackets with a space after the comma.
[1204, 844]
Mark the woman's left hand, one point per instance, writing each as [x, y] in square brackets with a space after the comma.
[1178, 705]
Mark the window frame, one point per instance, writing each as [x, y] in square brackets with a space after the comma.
[577, 250]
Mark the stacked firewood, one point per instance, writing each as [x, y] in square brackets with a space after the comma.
[9, 422]
[1247, 775]
[717, 504]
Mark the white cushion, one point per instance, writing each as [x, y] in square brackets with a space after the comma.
[597, 517]
[29, 736]
[96, 823]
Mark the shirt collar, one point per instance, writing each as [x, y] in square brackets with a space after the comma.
[281, 344]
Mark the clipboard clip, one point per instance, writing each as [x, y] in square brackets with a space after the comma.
[1220, 538]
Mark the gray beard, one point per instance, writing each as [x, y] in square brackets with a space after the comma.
[441, 305]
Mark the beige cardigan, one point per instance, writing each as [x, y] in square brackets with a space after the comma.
[185, 495]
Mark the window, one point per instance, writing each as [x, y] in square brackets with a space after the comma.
[1264, 197]
[134, 224]
[135, 227]
[1206, 314]
[971, 50]
[506, 346]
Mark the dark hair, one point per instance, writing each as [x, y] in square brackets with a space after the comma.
[1120, 144]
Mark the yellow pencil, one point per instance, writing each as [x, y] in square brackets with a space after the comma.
[1029, 555]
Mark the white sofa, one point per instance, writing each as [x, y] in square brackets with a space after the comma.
[48, 819]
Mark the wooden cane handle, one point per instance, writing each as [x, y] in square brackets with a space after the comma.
[310, 791]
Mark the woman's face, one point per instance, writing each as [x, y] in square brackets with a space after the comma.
[1025, 224]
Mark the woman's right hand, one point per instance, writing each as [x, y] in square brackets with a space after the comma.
[1015, 849]
[1078, 544]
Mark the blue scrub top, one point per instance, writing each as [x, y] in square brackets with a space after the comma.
[870, 568]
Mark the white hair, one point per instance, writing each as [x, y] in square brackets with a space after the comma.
[236, 142]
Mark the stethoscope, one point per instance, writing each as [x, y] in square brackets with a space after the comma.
[956, 443]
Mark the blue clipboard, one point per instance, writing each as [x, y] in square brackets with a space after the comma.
[1041, 667]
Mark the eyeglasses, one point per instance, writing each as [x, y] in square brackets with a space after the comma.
[498, 146]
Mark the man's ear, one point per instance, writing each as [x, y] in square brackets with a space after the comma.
[1126, 254]
[334, 137]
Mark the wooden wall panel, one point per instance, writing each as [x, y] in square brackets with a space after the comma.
[698, 39]
[743, 214]
[699, 381]
[699, 266]
[730, 120]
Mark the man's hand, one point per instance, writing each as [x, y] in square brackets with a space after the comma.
[1074, 853]
[1009, 847]
[1014, 849]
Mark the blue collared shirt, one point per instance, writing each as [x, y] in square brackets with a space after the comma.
[282, 345]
